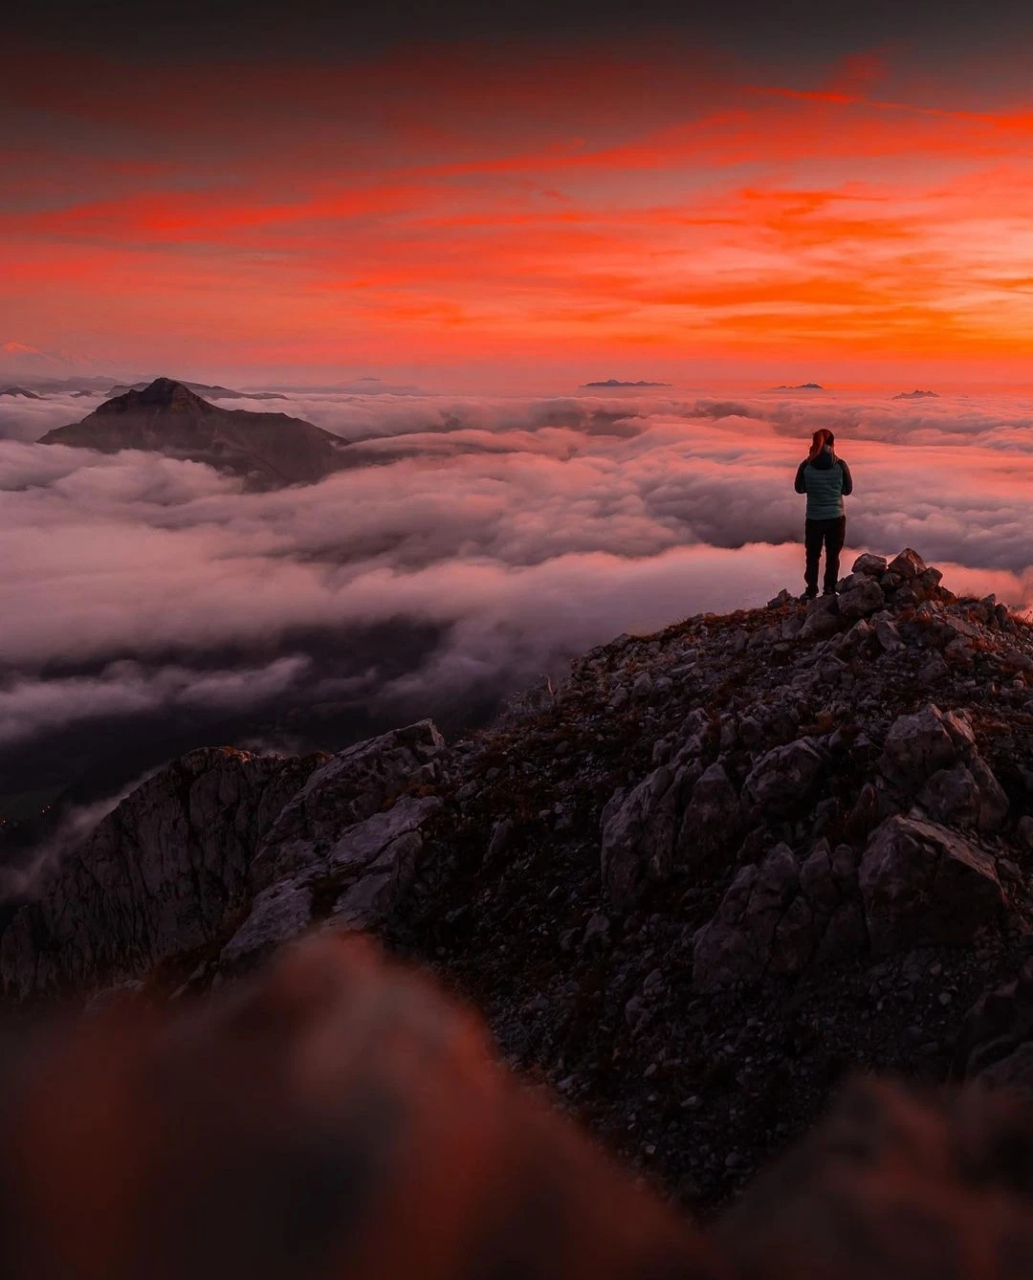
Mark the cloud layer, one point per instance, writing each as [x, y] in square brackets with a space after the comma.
[512, 532]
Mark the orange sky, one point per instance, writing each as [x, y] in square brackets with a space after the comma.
[505, 217]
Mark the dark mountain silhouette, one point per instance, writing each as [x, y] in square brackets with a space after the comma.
[916, 395]
[202, 389]
[618, 382]
[801, 386]
[20, 391]
[270, 449]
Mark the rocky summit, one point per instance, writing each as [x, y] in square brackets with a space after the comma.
[269, 450]
[692, 888]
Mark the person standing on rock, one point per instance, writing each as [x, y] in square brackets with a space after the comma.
[825, 479]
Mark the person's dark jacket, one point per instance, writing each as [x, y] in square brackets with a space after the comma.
[825, 481]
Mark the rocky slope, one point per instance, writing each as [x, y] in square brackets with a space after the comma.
[269, 449]
[690, 887]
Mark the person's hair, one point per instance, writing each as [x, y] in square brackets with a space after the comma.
[819, 440]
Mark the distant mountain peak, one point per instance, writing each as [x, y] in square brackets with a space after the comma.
[620, 382]
[161, 394]
[269, 450]
[201, 389]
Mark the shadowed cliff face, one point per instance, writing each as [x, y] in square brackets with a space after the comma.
[268, 450]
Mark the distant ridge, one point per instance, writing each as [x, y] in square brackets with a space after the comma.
[917, 395]
[270, 450]
[618, 382]
[20, 391]
[202, 389]
[801, 386]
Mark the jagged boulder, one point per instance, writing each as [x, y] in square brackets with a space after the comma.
[713, 816]
[784, 778]
[161, 874]
[368, 868]
[822, 618]
[861, 598]
[886, 631]
[869, 564]
[966, 795]
[908, 565]
[278, 914]
[180, 859]
[924, 884]
[638, 834]
[736, 944]
[779, 916]
[918, 745]
[349, 788]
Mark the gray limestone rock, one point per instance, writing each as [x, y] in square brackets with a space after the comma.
[966, 795]
[907, 566]
[869, 564]
[779, 916]
[998, 1027]
[160, 875]
[374, 862]
[350, 787]
[784, 777]
[735, 945]
[920, 744]
[713, 815]
[861, 599]
[642, 687]
[638, 836]
[501, 839]
[923, 884]
[278, 914]
[887, 632]
[367, 870]
[822, 618]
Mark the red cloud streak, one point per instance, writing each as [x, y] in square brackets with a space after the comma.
[647, 209]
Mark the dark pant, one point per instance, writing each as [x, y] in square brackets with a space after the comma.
[828, 533]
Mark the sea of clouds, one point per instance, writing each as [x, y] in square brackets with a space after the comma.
[514, 533]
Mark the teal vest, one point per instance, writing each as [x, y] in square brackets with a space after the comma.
[824, 491]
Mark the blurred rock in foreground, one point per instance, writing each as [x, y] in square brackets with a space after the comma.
[336, 1116]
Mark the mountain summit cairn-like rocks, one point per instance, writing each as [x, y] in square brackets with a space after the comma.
[690, 886]
[268, 450]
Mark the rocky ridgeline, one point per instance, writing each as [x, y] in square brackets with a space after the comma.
[690, 887]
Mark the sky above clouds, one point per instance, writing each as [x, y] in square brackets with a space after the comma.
[770, 201]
